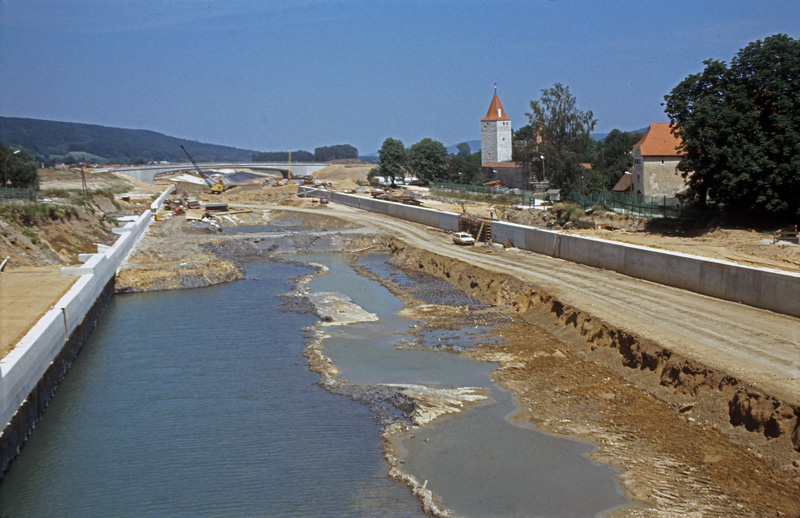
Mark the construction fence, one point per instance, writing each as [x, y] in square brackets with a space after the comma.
[638, 204]
[12, 194]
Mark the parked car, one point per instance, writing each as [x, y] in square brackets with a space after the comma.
[463, 238]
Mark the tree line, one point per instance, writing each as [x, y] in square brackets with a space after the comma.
[428, 161]
[321, 154]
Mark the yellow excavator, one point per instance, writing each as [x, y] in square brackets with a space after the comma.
[218, 187]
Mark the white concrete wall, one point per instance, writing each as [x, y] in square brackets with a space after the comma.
[24, 366]
[764, 288]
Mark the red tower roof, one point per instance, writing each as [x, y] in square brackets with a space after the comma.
[496, 111]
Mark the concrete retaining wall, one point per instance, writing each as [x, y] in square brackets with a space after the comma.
[764, 288]
[429, 217]
[31, 372]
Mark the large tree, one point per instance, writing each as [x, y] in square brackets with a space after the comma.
[427, 159]
[740, 129]
[561, 133]
[466, 169]
[19, 167]
[393, 158]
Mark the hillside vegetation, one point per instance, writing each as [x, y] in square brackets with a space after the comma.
[48, 140]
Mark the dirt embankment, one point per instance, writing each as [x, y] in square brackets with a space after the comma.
[53, 234]
[68, 219]
[179, 252]
[688, 439]
[172, 256]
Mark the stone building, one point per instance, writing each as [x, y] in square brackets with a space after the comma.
[655, 162]
[496, 147]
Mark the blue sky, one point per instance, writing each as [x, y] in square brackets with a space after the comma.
[270, 75]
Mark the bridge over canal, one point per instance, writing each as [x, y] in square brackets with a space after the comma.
[146, 173]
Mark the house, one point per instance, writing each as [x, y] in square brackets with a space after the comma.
[496, 147]
[655, 162]
[625, 184]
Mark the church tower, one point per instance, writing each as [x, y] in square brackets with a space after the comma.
[495, 133]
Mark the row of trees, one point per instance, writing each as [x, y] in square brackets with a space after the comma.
[321, 154]
[429, 161]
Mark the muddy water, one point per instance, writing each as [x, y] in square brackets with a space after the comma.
[478, 462]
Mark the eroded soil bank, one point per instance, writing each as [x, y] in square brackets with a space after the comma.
[686, 438]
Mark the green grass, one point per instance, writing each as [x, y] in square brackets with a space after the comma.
[567, 212]
[28, 214]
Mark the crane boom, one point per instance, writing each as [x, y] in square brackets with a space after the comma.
[192, 160]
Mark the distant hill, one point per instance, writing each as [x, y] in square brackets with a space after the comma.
[50, 139]
[602, 136]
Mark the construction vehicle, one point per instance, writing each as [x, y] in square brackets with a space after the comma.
[217, 184]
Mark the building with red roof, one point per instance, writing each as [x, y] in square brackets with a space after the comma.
[655, 162]
[496, 146]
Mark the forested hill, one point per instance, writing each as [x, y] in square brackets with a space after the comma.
[51, 139]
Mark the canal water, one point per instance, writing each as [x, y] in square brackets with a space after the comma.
[198, 403]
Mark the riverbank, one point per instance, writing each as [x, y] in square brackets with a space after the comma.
[681, 433]
[32, 371]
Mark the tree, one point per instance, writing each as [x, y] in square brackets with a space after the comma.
[560, 133]
[463, 150]
[613, 157]
[740, 130]
[466, 169]
[427, 159]
[19, 168]
[340, 151]
[392, 159]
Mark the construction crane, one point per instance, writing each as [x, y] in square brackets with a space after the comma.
[216, 186]
[193, 162]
